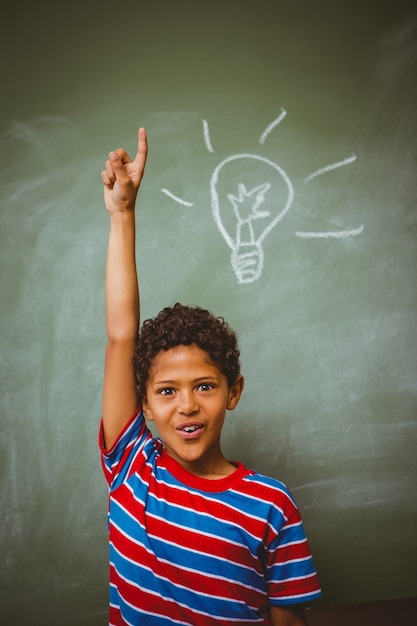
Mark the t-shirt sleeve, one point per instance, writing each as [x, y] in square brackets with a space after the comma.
[119, 459]
[290, 572]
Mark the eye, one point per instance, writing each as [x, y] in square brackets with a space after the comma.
[205, 387]
[166, 391]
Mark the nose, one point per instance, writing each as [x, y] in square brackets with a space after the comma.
[188, 404]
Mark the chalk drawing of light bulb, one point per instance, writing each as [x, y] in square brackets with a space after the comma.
[249, 196]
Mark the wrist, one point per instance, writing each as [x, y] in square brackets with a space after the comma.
[122, 216]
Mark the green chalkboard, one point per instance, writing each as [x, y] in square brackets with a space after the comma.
[280, 193]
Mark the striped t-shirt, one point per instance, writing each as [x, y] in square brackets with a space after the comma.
[189, 550]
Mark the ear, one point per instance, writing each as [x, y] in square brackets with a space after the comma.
[235, 391]
[146, 410]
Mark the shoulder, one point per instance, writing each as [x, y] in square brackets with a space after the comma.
[269, 485]
[270, 495]
[133, 446]
[131, 431]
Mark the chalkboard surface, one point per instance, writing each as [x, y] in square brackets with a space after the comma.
[280, 193]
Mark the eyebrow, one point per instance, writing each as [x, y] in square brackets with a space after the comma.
[194, 381]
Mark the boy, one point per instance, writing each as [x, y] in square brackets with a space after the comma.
[194, 538]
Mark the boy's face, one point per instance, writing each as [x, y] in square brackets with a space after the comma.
[187, 397]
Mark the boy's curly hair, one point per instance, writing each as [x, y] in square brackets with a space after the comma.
[185, 325]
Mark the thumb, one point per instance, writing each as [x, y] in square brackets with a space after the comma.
[118, 168]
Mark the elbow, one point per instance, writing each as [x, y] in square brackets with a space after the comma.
[122, 333]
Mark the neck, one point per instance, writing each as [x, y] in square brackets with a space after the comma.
[210, 469]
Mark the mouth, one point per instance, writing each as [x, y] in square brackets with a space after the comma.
[190, 430]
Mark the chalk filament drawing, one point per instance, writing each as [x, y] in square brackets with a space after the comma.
[250, 195]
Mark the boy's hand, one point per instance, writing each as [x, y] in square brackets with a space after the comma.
[122, 176]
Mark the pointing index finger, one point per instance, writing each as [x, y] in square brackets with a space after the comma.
[142, 151]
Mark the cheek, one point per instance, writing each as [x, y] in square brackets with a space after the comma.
[157, 409]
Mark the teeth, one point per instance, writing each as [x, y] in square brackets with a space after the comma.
[190, 429]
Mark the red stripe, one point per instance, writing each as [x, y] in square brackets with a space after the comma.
[293, 588]
[295, 551]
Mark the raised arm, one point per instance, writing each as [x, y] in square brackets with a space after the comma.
[121, 179]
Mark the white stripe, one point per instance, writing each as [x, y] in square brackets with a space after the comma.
[284, 563]
[302, 596]
[285, 580]
[294, 525]
[299, 542]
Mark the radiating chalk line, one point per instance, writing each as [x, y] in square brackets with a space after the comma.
[329, 168]
[179, 200]
[206, 134]
[271, 126]
[338, 234]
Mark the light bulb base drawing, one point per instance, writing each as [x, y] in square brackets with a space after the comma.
[247, 262]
